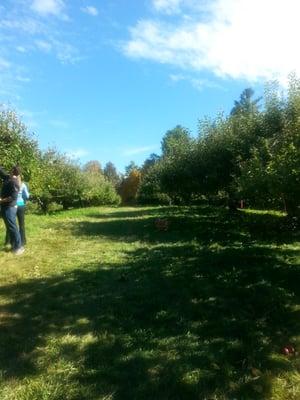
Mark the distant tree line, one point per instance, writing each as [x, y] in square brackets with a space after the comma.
[252, 154]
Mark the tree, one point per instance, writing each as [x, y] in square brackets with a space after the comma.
[93, 166]
[54, 178]
[98, 191]
[129, 187]
[17, 145]
[273, 171]
[245, 104]
[149, 162]
[150, 190]
[174, 141]
[175, 174]
[111, 174]
[57, 180]
[131, 167]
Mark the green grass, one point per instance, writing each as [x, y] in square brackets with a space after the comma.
[103, 306]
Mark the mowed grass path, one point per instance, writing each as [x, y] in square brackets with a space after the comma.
[103, 306]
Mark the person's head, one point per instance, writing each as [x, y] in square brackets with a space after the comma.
[16, 172]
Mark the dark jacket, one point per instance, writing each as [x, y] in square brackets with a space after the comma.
[10, 188]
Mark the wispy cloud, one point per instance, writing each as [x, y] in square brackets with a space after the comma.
[33, 29]
[30, 26]
[24, 79]
[4, 64]
[167, 6]
[170, 7]
[59, 123]
[43, 45]
[30, 118]
[49, 7]
[12, 77]
[21, 49]
[13, 22]
[248, 39]
[197, 83]
[77, 153]
[137, 150]
[93, 11]
[66, 53]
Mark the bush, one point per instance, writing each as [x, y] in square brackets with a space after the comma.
[98, 191]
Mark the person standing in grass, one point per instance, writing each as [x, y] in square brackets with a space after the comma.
[23, 196]
[8, 202]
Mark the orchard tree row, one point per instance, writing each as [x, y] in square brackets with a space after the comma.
[54, 178]
[252, 155]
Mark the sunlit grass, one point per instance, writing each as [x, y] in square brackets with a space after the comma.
[104, 306]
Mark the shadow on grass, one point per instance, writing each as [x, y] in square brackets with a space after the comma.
[136, 212]
[204, 224]
[176, 321]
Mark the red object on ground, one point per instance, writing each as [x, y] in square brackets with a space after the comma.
[288, 350]
[285, 351]
[162, 224]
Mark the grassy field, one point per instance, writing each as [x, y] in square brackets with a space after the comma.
[104, 306]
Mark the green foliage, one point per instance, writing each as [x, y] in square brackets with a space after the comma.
[17, 146]
[131, 167]
[97, 190]
[93, 166]
[53, 177]
[175, 141]
[150, 190]
[57, 180]
[251, 154]
[149, 163]
[273, 171]
[174, 168]
[129, 186]
[111, 174]
[246, 105]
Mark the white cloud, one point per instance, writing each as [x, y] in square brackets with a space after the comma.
[25, 29]
[249, 39]
[65, 52]
[29, 31]
[23, 79]
[21, 49]
[167, 6]
[43, 46]
[25, 24]
[58, 123]
[197, 83]
[4, 64]
[138, 150]
[29, 117]
[77, 153]
[48, 7]
[12, 77]
[90, 10]
[170, 7]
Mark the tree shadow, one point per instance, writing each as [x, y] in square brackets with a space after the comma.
[177, 321]
[158, 211]
[135, 212]
[205, 224]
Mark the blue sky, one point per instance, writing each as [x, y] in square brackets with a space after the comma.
[105, 80]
